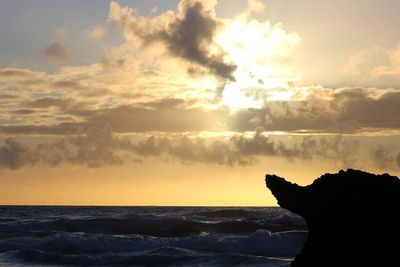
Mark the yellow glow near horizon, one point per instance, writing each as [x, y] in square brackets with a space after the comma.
[152, 183]
[155, 182]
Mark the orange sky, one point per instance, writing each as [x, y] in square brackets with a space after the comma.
[166, 184]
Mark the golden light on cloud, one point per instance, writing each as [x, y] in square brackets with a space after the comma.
[243, 61]
[262, 52]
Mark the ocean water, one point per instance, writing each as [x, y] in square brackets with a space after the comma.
[148, 236]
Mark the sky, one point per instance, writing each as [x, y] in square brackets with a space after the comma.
[192, 102]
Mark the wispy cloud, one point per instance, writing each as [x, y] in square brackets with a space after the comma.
[375, 66]
[57, 49]
[97, 32]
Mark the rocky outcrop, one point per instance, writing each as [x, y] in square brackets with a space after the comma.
[353, 218]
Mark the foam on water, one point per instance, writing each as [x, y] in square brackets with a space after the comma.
[149, 236]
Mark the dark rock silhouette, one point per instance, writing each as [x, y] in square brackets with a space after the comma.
[353, 218]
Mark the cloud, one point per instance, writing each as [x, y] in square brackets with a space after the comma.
[143, 101]
[255, 6]
[57, 49]
[143, 97]
[375, 66]
[386, 157]
[21, 75]
[164, 115]
[188, 34]
[160, 84]
[317, 110]
[65, 104]
[188, 150]
[13, 72]
[383, 158]
[164, 118]
[23, 111]
[65, 128]
[343, 110]
[8, 96]
[244, 150]
[97, 146]
[242, 53]
[398, 160]
[14, 155]
[97, 32]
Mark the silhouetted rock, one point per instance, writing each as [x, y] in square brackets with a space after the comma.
[353, 218]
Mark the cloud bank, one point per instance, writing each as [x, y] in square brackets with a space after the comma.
[98, 147]
[161, 83]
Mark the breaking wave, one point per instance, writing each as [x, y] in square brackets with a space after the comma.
[173, 237]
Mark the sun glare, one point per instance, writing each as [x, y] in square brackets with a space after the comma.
[261, 53]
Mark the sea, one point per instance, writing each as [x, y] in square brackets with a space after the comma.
[149, 236]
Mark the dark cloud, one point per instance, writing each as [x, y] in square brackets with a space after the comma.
[14, 155]
[166, 103]
[97, 147]
[189, 150]
[24, 111]
[243, 150]
[349, 110]
[165, 115]
[57, 49]
[58, 102]
[8, 96]
[398, 160]
[162, 116]
[71, 84]
[12, 72]
[8, 72]
[382, 157]
[191, 37]
[53, 129]
[385, 158]
[114, 61]
[189, 34]
[374, 112]
[257, 145]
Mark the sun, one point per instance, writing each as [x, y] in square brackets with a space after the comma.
[261, 52]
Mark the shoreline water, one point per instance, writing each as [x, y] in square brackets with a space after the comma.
[148, 235]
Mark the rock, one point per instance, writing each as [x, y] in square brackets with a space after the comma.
[353, 218]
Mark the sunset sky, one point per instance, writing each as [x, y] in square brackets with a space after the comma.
[192, 102]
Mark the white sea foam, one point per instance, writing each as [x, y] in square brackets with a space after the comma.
[137, 238]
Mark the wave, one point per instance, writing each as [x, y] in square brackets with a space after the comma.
[226, 213]
[176, 260]
[155, 227]
[158, 236]
[99, 249]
